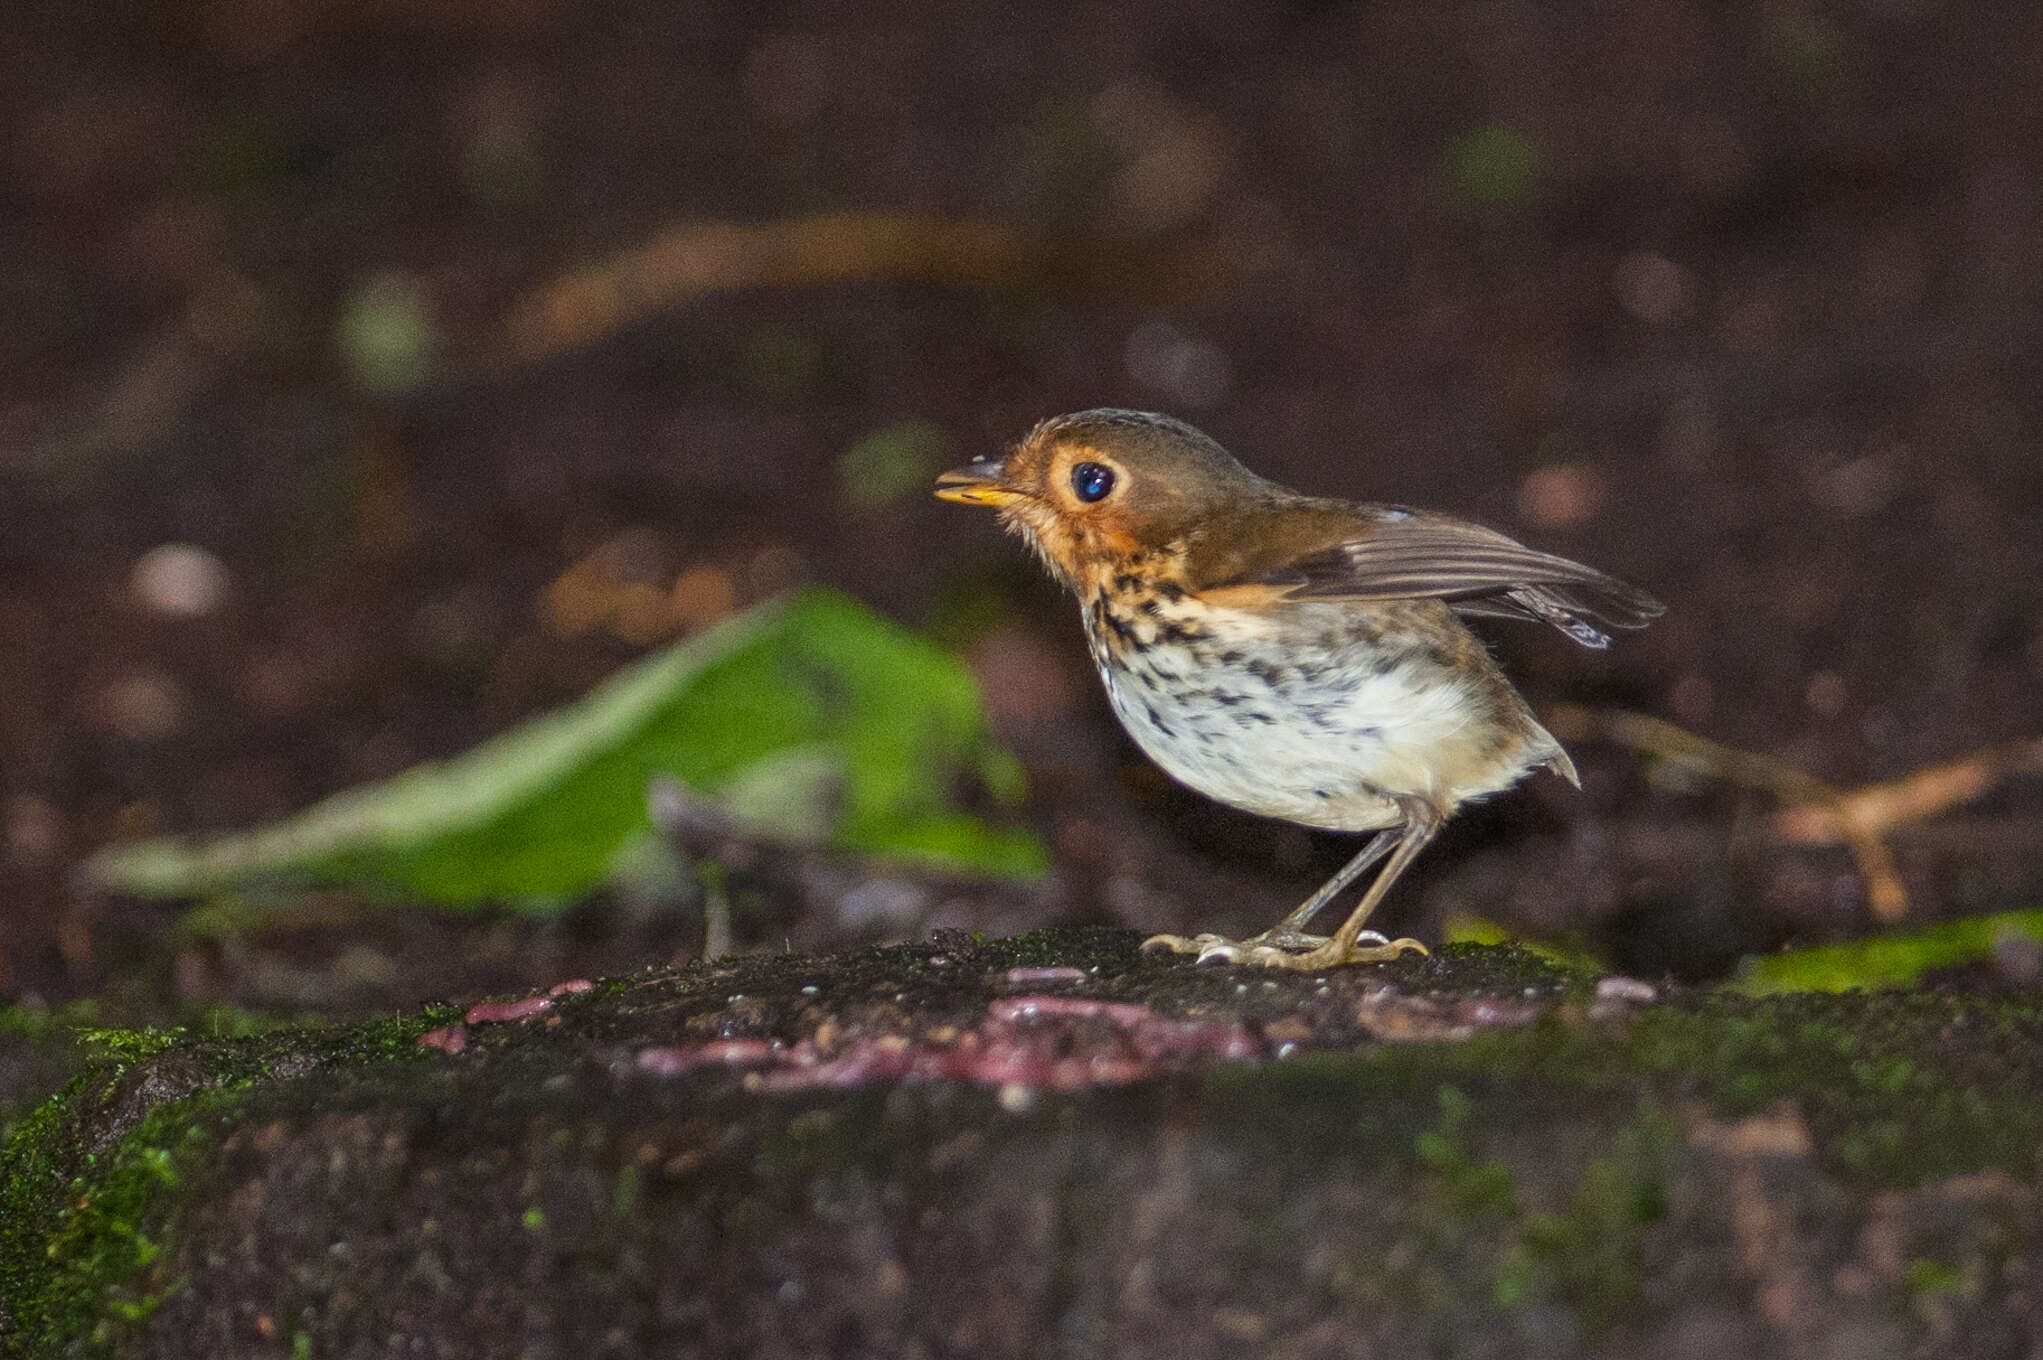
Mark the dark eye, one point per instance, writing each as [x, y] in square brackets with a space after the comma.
[1091, 482]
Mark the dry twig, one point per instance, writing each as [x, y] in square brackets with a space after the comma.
[1814, 812]
[588, 305]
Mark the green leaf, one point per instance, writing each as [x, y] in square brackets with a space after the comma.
[1897, 960]
[1493, 166]
[387, 334]
[816, 718]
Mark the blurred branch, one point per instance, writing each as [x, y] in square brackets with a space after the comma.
[133, 412]
[1877, 808]
[1816, 813]
[589, 305]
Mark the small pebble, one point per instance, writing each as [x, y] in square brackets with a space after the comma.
[1008, 1009]
[179, 580]
[672, 1061]
[1055, 974]
[497, 1012]
[145, 705]
[1016, 1098]
[1626, 989]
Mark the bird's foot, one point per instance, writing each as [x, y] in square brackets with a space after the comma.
[1302, 953]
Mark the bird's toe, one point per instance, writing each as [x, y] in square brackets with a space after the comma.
[1296, 952]
[1217, 949]
[1178, 944]
[1384, 951]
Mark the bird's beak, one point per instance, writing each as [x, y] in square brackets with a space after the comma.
[977, 483]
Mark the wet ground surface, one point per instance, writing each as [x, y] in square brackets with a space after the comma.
[1738, 303]
[1056, 1142]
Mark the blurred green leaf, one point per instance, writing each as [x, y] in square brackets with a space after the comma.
[807, 708]
[1463, 928]
[1897, 960]
[386, 334]
[1493, 166]
[899, 460]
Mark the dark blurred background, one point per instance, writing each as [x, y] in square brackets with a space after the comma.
[1736, 301]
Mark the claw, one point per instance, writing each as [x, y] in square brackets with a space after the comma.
[1361, 953]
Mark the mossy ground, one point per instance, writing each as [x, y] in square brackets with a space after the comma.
[1537, 1178]
[95, 1179]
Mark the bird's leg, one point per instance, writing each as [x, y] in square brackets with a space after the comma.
[1289, 933]
[1422, 819]
[1273, 945]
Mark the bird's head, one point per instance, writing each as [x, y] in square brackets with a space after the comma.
[1098, 487]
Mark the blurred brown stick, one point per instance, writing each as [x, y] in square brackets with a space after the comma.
[1877, 808]
[587, 305]
[1816, 813]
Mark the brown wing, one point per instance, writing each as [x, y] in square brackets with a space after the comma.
[1395, 554]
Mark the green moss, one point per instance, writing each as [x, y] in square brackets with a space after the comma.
[1471, 1189]
[88, 1234]
[1897, 1088]
[1928, 1278]
[1584, 1251]
[1463, 1214]
[40, 1025]
[82, 1244]
[121, 1047]
[39, 1050]
[1570, 955]
[1895, 960]
[1514, 965]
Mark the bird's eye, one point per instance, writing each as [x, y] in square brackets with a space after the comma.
[1090, 482]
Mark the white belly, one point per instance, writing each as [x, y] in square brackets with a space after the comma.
[1326, 748]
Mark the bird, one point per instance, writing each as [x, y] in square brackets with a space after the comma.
[1293, 656]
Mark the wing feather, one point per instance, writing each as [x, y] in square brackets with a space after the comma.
[1405, 555]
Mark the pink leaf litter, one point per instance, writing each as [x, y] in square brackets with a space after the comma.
[447, 1038]
[1056, 1043]
[497, 1012]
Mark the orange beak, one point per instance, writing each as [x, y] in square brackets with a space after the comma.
[977, 483]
